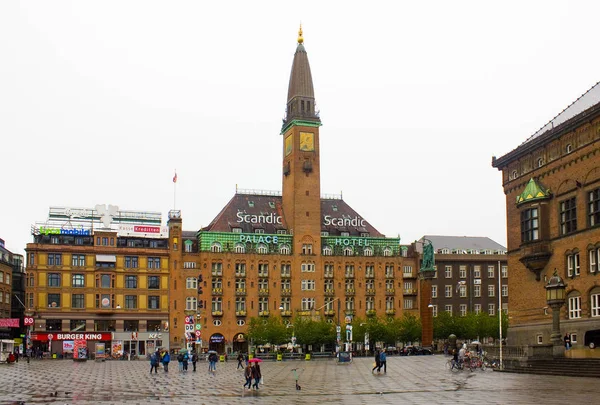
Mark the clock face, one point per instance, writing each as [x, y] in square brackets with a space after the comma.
[307, 141]
[288, 145]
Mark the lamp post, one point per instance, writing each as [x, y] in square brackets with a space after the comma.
[555, 297]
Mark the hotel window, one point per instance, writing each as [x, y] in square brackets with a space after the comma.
[29, 297]
[308, 304]
[263, 269]
[285, 249]
[348, 251]
[191, 304]
[569, 148]
[329, 270]
[78, 280]
[77, 301]
[575, 306]
[216, 247]
[54, 259]
[369, 284]
[240, 304]
[286, 270]
[568, 216]
[477, 308]
[349, 283]
[448, 272]
[217, 284]
[262, 249]
[104, 241]
[54, 300]
[505, 290]
[240, 269]
[78, 261]
[434, 311]
[595, 302]
[189, 265]
[462, 271]
[389, 271]
[263, 304]
[217, 304]
[448, 291]
[369, 271]
[462, 291]
[153, 282]
[77, 325]
[344, 233]
[573, 266]
[368, 251]
[389, 303]
[307, 249]
[31, 259]
[349, 270]
[53, 279]
[476, 271]
[491, 290]
[477, 291]
[529, 225]
[240, 284]
[131, 282]
[408, 287]
[263, 284]
[153, 302]
[504, 271]
[463, 309]
[408, 304]
[490, 271]
[387, 252]
[594, 259]
[389, 285]
[491, 309]
[308, 285]
[407, 271]
[434, 291]
[154, 262]
[594, 207]
[188, 246]
[448, 309]
[131, 262]
[240, 248]
[259, 230]
[307, 267]
[131, 301]
[349, 303]
[191, 283]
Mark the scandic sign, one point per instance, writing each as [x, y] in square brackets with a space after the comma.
[45, 336]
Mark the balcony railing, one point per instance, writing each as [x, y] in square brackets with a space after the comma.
[263, 313]
[409, 275]
[240, 313]
[329, 312]
[370, 291]
[390, 291]
[350, 312]
[410, 291]
[286, 313]
[350, 291]
[390, 312]
[263, 292]
[286, 292]
[217, 291]
[217, 313]
[371, 312]
[240, 291]
[304, 313]
[329, 292]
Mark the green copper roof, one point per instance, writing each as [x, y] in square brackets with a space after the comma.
[303, 123]
[533, 191]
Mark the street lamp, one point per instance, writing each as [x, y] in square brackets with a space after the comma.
[555, 297]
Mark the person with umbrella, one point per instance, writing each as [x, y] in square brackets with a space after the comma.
[256, 374]
[212, 361]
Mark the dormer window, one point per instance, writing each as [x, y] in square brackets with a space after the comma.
[568, 148]
[345, 234]
[540, 162]
[259, 230]
[514, 174]
[334, 207]
[216, 247]
[271, 204]
[324, 233]
[250, 203]
[327, 251]
[236, 230]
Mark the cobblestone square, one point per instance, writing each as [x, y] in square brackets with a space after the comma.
[409, 380]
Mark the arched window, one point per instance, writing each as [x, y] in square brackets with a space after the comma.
[191, 283]
[513, 175]
[261, 249]
[368, 251]
[216, 247]
[574, 302]
[327, 251]
[190, 304]
[285, 249]
[348, 251]
[240, 248]
[387, 251]
[569, 148]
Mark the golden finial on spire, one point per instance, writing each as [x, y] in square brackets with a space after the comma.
[300, 39]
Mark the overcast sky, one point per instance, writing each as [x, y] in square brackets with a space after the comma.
[101, 101]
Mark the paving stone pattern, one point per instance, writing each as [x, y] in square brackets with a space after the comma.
[409, 380]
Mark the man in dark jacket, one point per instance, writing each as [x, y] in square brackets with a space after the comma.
[377, 362]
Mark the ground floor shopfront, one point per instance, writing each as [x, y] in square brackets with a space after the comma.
[116, 345]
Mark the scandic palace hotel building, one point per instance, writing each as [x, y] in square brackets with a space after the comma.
[122, 276]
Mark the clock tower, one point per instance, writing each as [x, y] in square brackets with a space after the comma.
[301, 167]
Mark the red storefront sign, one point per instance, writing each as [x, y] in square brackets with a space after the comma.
[46, 336]
[9, 323]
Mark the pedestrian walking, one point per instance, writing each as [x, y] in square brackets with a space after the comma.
[256, 375]
[382, 362]
[377, 361]
[567, 340]
[180, 361]
[240, 358]
[186, 358]
[212, 362]
[153, 363]
[165, 360]
[194, 360]
[248, 375]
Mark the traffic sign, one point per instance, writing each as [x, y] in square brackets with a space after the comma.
[198, 333]
[189, 328]
[198, 326]
[28, 320]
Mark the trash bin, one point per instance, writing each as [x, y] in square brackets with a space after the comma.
[307, 357]
[222, 358]
[279, 356]
[250, 356]
[53, 355]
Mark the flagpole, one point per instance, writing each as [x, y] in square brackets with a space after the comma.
[175, 190]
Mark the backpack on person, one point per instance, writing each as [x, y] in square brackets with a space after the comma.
[194, 357]
[180, 357]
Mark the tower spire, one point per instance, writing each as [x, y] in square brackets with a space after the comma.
[300, 38]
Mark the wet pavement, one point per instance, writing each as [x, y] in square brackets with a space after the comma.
[409, 380]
